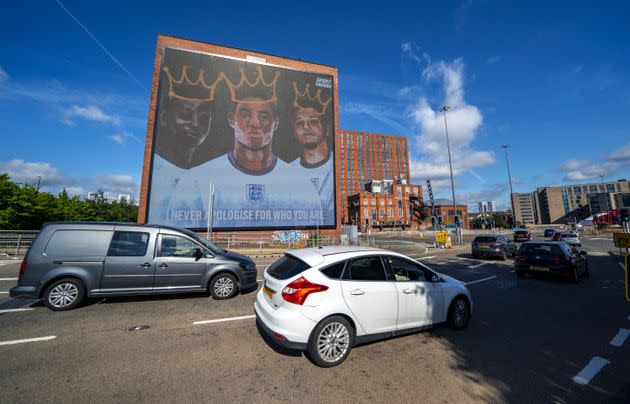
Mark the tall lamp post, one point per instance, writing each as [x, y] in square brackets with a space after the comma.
[443, 109]
[507, 162]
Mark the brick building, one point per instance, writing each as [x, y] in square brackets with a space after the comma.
[444, 208]
[387, 204]
[362, 157]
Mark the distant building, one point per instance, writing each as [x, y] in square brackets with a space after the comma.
[569, 203]
[482, 206]
[110, 196]
[492, 206]
[444, 208]
[386, 204]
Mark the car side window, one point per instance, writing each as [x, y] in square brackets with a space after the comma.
[365, 269]
[176, 246]
[334, 271]
[128, 244]
[405, 271]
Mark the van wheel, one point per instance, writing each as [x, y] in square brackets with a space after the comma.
[64, 294]
[330, 342]
[223, 286]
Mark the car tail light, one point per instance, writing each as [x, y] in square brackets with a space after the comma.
[520, 256]
[495, 245]
[22, 267]
[297, 291]
[559, 259]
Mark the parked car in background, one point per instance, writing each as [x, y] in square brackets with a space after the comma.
[492, 245]
[522, 235]
[69, 261]
[570, 238]
[325, 300]
[549, 232]
[550, 257]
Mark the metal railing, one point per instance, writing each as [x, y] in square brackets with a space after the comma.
[16, 242]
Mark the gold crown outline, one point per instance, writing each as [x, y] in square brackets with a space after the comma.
[306, 96]
[200, 80]
[260, 80]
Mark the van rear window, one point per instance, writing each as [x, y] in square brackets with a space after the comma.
[287, 267]
[78, 244]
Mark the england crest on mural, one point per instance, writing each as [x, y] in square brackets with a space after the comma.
[255, 192]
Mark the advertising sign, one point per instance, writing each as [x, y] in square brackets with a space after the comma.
[260, 136]
[621, 240]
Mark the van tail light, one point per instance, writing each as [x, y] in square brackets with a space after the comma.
[297, 291]
[22, 268]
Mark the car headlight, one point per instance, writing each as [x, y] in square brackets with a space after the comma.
[249, 266]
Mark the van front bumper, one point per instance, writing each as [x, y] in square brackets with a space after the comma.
[24, 292]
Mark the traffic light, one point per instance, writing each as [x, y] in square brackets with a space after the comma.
[440, 221]
[624, 215]
[433, 221]
[456, 220]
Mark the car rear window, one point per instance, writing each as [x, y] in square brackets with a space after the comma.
[485, 239]
[78, 244]
[287, 267]
[541, 249]
[520, 232]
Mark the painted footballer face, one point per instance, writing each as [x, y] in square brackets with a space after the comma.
[308, 128]
[254, 123]
[189, 121]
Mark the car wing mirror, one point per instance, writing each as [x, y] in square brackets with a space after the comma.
[583, 253]
[198, 254]
[435, 278]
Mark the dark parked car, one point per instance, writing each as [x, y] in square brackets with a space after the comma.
[549, 232]
[70, 261]
[493, 246]
[551, 257]
[522, 235]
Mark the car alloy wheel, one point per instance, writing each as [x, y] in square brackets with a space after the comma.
[63, 295]
[458, 314]
[330, 342]
[223, 286]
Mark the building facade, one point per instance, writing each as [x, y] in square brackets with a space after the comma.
[562, 204]
[492, 206]
[444, 210]
[362, 157]
[387, 204]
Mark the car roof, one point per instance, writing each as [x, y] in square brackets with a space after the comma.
[121, 224]
[544, 242]
[316, 255]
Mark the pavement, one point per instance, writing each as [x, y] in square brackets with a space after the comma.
[529, 340]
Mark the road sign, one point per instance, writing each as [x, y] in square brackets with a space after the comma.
[621, 240]
[441, 237]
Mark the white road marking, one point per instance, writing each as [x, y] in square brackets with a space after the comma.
[514, 270]
[480, 280]
[14, 310]
[22, 341]
[595, 365]
[4, 293]
[8, 279]
[478, 265]
[620, 338]
[427, 258]
[259, 280]
[221, 320]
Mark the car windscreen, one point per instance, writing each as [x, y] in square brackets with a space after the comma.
[208, 244]
[520, 232]
[541, 249]
[287, 267]
[485, 239]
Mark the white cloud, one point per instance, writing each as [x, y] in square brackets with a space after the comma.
[122, 137]
[621, 155]
[493, 59]
[4, 76]
[91, 113]
[28, 172]
[375, 112]
[574, 164]
[464, 121]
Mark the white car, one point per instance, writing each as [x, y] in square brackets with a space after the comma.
[325, 300]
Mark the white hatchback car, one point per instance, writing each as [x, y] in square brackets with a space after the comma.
[325, 300]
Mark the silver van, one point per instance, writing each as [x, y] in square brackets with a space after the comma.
[69, 261]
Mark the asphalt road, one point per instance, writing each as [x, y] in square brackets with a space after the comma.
[526, 342]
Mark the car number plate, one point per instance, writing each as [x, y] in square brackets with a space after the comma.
[483, 246]
[269, 292]
[535, 268]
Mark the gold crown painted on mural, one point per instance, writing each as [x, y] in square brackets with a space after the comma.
[259, 88]
[186, 89]
[304, 99]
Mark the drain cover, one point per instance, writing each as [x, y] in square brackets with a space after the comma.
[139, 327]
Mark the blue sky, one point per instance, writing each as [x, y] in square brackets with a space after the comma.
[551, 81]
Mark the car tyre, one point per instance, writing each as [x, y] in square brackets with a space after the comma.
[520, 274]
[223, 286]
[586, 273]
[458, 314]
[475, 255]
[64, 294]
[331, 342]
[575, 277]
[503, 256]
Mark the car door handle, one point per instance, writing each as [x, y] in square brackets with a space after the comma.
[163, 265]
[357, 292]
[407, 291]
[145, 265]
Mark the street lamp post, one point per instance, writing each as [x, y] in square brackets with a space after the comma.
[507, 162]
[443, 109]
